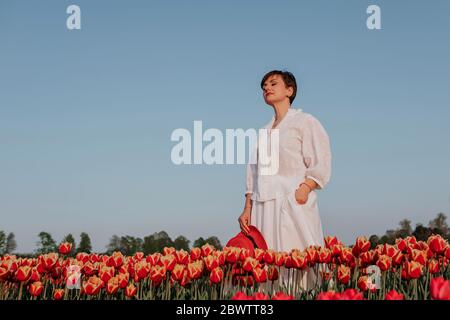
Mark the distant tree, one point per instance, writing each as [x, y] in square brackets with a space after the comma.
[373, 239]
[199, 242]
[114, 245]
[46, 244]
[69, 238]
[130, 245]
[2, 242]
[85, 243]
[439, 223]
[214, 241]
[11, 243]
[421, 233]
[181, 242]
[156, 242]
[405, 229]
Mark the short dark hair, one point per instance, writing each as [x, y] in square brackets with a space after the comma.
[288, 78]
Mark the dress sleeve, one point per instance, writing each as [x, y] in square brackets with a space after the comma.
[316, 152]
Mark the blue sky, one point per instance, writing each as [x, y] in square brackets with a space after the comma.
[86, 115]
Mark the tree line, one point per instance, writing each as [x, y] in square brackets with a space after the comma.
[156, 242]
[436, 226]
[127, 244]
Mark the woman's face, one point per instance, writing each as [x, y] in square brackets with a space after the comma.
[274, 90]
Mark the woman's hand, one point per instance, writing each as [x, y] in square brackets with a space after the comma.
[302, 193]
[244, 221]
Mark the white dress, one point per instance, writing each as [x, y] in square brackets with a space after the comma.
[304, 152]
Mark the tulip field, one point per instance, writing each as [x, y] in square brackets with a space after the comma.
[406, 270]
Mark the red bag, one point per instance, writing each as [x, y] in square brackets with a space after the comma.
[253, 240]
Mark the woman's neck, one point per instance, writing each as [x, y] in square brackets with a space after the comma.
[281, 109]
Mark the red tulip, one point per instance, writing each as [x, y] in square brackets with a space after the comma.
[23, 273]
[261, 296]
[93, 285]
[412, 270]
[331, 241]
[361, 245]
[433, 266]
[394, 295]
[324, 255]
[401, 244]
[58, 294]
[211, 262]
[419, 256]
[351, 294]
[89, 269]
[182, 257]
[259, 274]
[123, 279]
[241, 296]
[440, 289]
[437, 244]
[169, 250]
[259, 254]
[113, 285]
[207, 249]
[185, 280]
[216, 275]
[178, 272]
[142, 269]
[327, 295]
[245, 253]
[269, 257]
[130, 291]
[343, 274]
[279, 258]
[232, 255]
[65, 248]
[299, 261]
[364, 284]
[153, 259]
[249, 264]
[115, 260]
[157, 274]
[36, 288]
[282, 296]
[196, 253]
[169, 261]
[273, 273]
[106, 273]
[384, 262]
[195, 269]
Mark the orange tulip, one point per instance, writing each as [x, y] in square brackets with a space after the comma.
[92, 286]
[195, 269]
[216, 275]
[65, 248]
[440, 289]
[58, 294]
[299, 261]
[130, 291]
[36, 288]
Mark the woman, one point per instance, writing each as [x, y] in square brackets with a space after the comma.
[283, 206]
